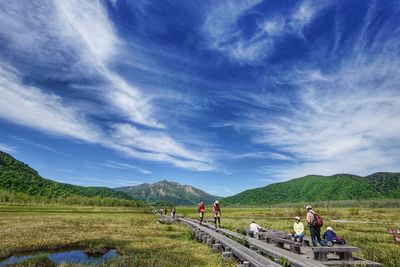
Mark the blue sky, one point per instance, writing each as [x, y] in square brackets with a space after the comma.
[222, 95]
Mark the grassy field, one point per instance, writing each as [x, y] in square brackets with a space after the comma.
[136, 235]
[143, 242]
[367, 229]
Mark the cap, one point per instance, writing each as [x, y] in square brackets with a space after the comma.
[297, 218]
[329, 228]
[216, 202]
[308, 208]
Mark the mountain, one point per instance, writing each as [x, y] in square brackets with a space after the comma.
[167, 191]
[319, 188]
[16, 176]
[386, 183]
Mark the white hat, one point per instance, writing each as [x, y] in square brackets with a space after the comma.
[216, 202]
[308, 207]
[329, 228]
[297, 218]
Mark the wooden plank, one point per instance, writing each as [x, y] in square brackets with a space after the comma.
[297, 260]
[344, 252]
[364, 263]
[338, 248]
[240, 251]
[272, 251]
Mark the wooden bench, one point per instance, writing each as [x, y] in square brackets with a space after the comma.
[307, 241]
[344, 252]
[269, 236]
[250, 233]
[294, 246]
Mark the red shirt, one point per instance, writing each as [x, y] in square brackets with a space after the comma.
[216, 208]
[201, 207]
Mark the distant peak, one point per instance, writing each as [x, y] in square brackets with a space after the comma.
[166, 182]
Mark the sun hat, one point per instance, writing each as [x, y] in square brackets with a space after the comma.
[297, 218]
[216, 202]
[308, 207]
[329, 228]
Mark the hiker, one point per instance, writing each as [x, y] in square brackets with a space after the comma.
[173, 212]
[315, 230]
[331, 238]
[217, 213]
[298, 228]
[255, 228]
[201, 208]
[161, 211]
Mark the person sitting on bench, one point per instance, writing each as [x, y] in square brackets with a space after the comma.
[331, 238]
[298, 228]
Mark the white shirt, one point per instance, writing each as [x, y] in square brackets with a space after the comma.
[255, 227]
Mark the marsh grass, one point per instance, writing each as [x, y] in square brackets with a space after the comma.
[138, 238]
[367, 229]
[140, 241]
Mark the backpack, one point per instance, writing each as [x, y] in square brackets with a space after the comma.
[339, 240]
[318, 220]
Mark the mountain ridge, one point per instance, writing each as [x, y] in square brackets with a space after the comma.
[168, 191]
[320, 188]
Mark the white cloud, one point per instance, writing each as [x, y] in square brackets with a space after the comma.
[224, 32]
[47, 113]
[263, 155]
[346, 121]
[32, 107]
[111, 182]
[155, 145]
[73, 40]
[124, 166]
[7, 148]
[88, 24]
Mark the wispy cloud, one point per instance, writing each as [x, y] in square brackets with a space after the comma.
[46, 112]
[67, 170]
[111, 182]
[345, 120]
[41, 110]
[82, 36]
[8, 148]
[263, 155]
[124, 166]
[224, 32]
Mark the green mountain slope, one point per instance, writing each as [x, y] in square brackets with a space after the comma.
[386, 183]
[16, 176]
[166, 191]
[319, 188]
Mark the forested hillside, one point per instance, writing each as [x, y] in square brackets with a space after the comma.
[320, 188]
[16, 176]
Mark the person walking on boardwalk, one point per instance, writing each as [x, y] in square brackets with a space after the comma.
[201, 208]
[217, 213]
[315, 230]
[173, 212]
[298, 228]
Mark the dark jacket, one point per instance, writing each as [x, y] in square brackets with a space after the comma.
[329, 235]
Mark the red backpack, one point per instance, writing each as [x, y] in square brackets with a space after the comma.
[318, 220]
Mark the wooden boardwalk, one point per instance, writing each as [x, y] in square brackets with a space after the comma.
[227, 245]
[306, 257]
